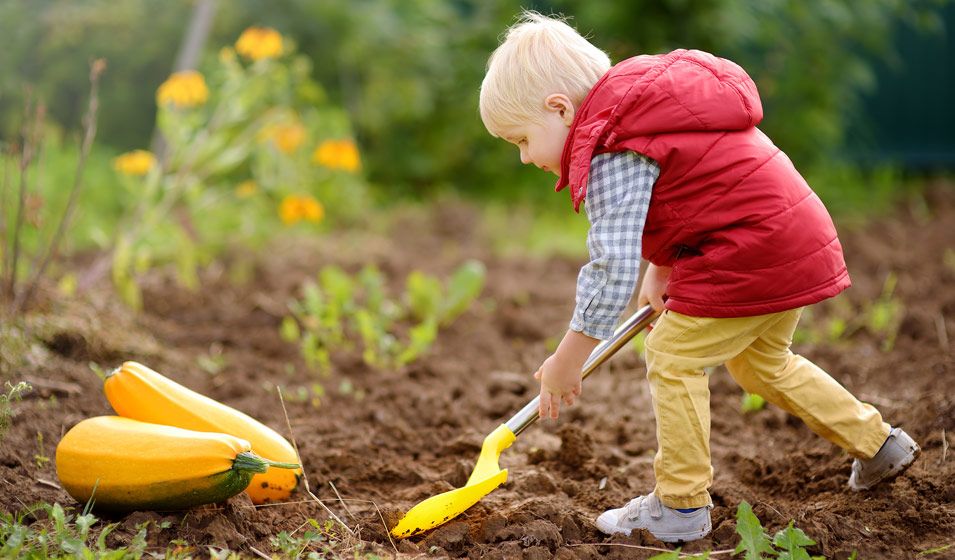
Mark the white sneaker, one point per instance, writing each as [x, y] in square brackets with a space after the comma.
[897, 453]
[665, 523]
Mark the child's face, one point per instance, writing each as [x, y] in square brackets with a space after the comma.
[542, 142]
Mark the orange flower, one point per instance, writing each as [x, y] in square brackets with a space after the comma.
[183, 89]
[295, 208]
[257, 43]
[337, 154]
[136, 162]
[287, 137]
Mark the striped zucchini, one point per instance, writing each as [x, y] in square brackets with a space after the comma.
[137, 392]
[127, 465]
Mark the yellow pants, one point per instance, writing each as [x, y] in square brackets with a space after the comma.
[756, 353]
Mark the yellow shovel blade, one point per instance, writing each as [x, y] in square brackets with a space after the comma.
[440, 509]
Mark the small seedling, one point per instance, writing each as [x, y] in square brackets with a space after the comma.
[40, 457]
[393, 331]
[14, 393]
[752, 403]
[787, 544]
[884, 315]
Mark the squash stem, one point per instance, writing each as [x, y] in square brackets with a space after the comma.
[248, 461]
[282, 465]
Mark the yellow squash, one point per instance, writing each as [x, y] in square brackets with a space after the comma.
[127, 465]
[135, 391]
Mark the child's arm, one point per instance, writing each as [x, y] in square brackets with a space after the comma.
[618, 198]
[559, 375]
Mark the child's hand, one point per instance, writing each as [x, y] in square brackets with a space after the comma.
[560, 382]
[654, 287]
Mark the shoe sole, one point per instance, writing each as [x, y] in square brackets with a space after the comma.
[891, 475]
[667, 538]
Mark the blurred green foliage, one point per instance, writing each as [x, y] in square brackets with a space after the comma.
[258, 147]
[409, 71]
[394, 330]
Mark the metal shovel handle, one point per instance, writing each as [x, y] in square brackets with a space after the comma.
[624, 333]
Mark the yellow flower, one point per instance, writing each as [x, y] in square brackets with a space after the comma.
[245, 189]
[136, 162]
[183, 89]
[287, 137]
[295, 208]
[337, 154]
[257, 43]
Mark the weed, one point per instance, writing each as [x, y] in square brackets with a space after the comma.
[62, 535]
[392, 331]
[213, 362]
[312, 395]
[318, 541]
[40, 457]
[884, 315]
[14, 393]
[752, 403]
[787, 544]
[28, 209]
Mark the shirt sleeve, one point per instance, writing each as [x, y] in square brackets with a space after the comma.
[618, 197]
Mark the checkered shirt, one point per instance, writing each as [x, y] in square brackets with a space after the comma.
[618, 196]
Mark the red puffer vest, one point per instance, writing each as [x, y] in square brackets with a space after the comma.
[744, 233]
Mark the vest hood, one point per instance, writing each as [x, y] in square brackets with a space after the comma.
[682, 91]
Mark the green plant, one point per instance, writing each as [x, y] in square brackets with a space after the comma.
[752, 403]
[257, 148]
[393, 331]
[883, 317]
[14, 393]
[40, 457]
[63, 535]
[319, 541]
[787, 544]
[28, 209]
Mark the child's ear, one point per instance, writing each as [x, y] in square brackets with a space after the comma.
[562, 105]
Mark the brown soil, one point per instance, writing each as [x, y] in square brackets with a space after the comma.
[400, 436]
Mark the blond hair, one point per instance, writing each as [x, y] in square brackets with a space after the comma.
[539, 56]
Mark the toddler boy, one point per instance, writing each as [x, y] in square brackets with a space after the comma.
[664, 154]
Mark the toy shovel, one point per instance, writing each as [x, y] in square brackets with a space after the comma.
[487, 475]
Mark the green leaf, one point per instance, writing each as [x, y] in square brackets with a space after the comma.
[421, 337]
[791, 541]
[289, 330]
[752, 403]
[338, 285]
[754, 541]
[373, 284]
[423, 295]
[313, 299]
[464, 287]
